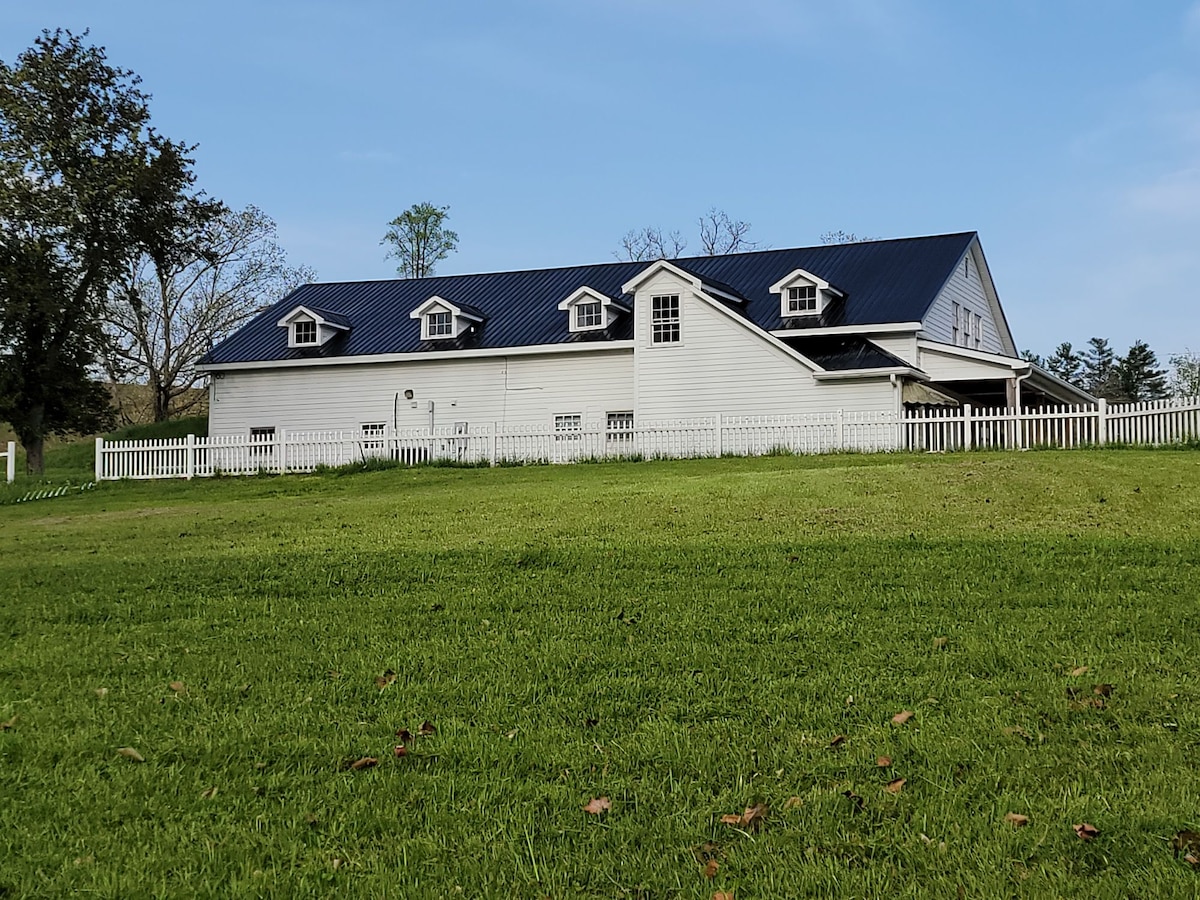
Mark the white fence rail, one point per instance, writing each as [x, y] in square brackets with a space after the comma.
[936, 429]
[10, 462]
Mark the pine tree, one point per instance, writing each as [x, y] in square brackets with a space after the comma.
[1139, 376]
[1066, 364]
[1099, 374]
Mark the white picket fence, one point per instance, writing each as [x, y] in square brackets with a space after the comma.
[10, 462]
[937, 429]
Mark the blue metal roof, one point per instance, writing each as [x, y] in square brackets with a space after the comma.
[884, 281]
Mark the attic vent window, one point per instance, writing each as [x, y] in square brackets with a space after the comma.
[589, 315]
[305, 333]
[802, 299]
[439, 324]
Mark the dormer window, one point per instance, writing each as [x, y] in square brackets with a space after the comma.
[308, 326]
[802, 299]
[802, 294]
[589, 310]
[442, 320]
[304, 332]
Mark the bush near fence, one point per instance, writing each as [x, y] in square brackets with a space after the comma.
[935, 430]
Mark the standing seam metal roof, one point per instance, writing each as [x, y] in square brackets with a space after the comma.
[884, 281]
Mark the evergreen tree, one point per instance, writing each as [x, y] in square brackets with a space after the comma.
[1139, 376]
[1066, 364]
[1030, 356]
[1099, 375]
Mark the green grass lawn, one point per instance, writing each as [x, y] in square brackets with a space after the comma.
[687, 639]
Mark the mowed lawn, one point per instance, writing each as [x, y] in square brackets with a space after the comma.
[686, 639]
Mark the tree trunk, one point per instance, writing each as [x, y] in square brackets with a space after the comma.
[33, 438]
[162, 401]
[35, 461]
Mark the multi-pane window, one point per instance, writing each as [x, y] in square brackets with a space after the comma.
[372, 436]
[304, 333]
[568, 427]
[262, 440]
[589, 315]
[802, 299]
[664, 319]
[977, 330]
[439, 324]
[619, 428]
[956, 332]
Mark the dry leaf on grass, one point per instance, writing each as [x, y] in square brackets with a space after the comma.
[901, 717]
[855, 799]
[883, 761]
[209, 794]
[177, 686]
[386, 679]
[11, 723]
[752, 818]
[1079, 670]
[837, 741]
[131, 754]
[895, 786]
[939, 643]
[367, 762]
[1085, 831]
[399, 751]
[101, 693]
[710, 868]
[1016, 820]
[792, 803]
[1185, 840]
[1102, 690]
[426, 729]
[1192, 860]
[723, 895]
[598, 805]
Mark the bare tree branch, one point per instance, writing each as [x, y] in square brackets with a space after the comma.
[720, 234]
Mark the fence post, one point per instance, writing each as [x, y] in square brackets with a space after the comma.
[99, 458]
[719, 418]
[967, 427]
[191, 457]
[1102, 422]
[841, 429]
[10, 463]
[492, 444]
[282, 442]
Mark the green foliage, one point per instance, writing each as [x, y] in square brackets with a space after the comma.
[81, 176]
[419, 239]
[1185, 374]
[1100, 370]
[684, 638]
[1139, 376]
[1066, 364]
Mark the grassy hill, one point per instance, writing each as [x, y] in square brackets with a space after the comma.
[685, 639]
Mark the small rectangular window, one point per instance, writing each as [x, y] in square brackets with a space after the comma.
[664, 319]
[619, 429]
[957, 322]
[439, 324]
[568, 427]
[305, 333]
[373, 436]
[802, 299]
[262, 440]
[589, 315]
[977, 328]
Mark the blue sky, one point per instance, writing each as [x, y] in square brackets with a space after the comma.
[1067, 132]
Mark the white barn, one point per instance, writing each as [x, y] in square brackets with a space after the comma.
[862, 327]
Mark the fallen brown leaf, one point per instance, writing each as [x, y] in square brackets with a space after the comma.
[1085, 831]
[883, 761]
[387, 678]
[101, 693]
[837, 741]
[405, 736]
[706, 851]
[855, 799]
[754, 816]
[367, 762]
[177, 686]
[710, 868]
[901, 717]
[399, 751]
[1185, 840]
[209, 794]
[731, 819]
[1079, 670]
[1102, 690]
[11, 723]
[792, 802]
[1016, 820]
[895, 786]
[426, 729]
[1192, 860]
[723, 895]
[131, 754]
[598, 805]
[939, 643]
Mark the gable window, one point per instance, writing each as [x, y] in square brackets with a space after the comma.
[664, 319]
[304, 332]
[802, 299]
[439, 324]
[589, 315]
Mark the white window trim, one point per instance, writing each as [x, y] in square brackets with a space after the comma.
[798, 278]
[676, 320]
[460, 319]
[568, 426]
[609, 309]
[622, 433]
[325, 328]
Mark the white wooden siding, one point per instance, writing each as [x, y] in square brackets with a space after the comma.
[901, 345]
[512, 391]
[969, 293]
[951, 367]
[722, 367]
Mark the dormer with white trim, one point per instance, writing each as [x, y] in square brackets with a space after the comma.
[589, 310]
[442, 320]
[308, 327]
[802, 293]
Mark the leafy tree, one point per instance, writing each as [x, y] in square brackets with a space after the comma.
[1100, 370]
[75, 147]
[1185, 374]
[198, 278]
[1139, 376]
[420, 240]
[1066, 364]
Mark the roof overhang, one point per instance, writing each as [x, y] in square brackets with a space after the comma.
[886, 328]
[304, 311]
[859, 374]
[588, 295]
[1049, 383]
[656, 268]
[436, 302]
[1012, 363]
